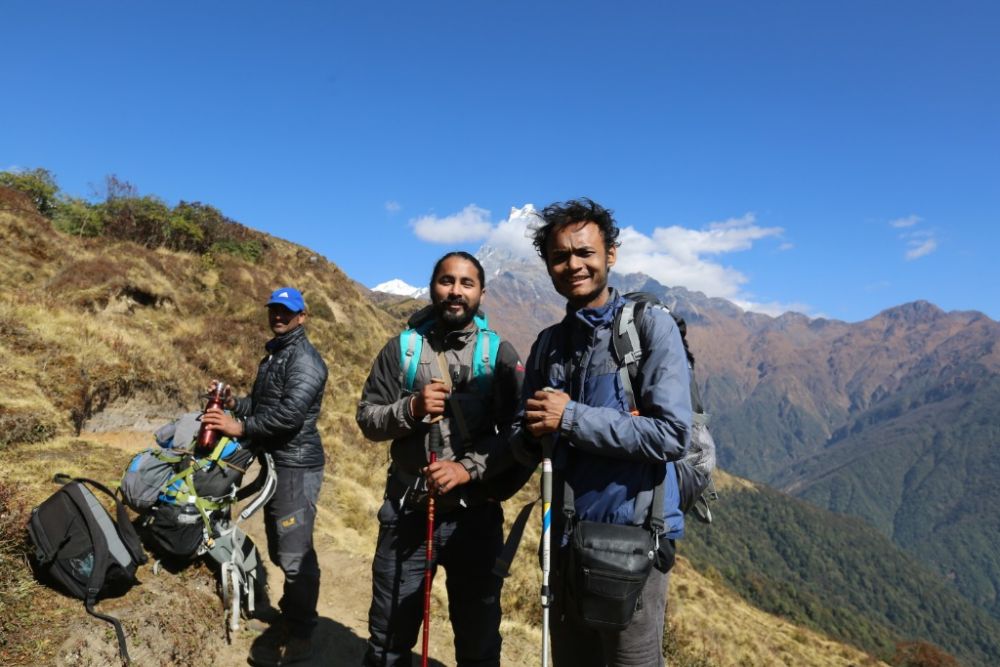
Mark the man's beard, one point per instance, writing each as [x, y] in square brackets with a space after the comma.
[454, 321]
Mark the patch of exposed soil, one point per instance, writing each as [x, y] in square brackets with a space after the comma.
[140, 413]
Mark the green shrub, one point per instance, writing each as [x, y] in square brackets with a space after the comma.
[124, 215]
[77, 216]
[144, 220]
[38, 184]
[184, 233]
[251, 251]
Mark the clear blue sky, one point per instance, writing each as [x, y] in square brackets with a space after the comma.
[839, 157]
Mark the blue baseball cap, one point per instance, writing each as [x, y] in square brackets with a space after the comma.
[289, 297]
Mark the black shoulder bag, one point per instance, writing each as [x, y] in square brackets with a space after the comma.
[609, 563]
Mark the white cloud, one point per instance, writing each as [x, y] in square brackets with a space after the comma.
[514, 233]
[919, 247]
[470, 224]
[680, 256]
[774, 308]
[919, 243]
[786, 246]
[392, 206]
[674, 256]
[908, 221]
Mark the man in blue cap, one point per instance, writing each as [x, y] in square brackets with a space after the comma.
[280, 416]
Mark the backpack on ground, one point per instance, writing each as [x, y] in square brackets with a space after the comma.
[694, 469]
[187, 497]
[181, 491]
[84, 550]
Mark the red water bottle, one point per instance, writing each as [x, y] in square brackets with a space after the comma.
[207, 436]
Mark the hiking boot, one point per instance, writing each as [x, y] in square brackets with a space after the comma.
[296, 649]
[264, 618]
[267, 614]
[266, 650]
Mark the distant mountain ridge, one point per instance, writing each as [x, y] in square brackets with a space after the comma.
[892, 419]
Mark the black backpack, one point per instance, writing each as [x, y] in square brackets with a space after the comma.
[86, 552]
[694, 470]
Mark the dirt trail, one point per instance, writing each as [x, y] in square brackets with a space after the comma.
[343, 607]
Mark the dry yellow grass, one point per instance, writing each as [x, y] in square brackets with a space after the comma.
[715, 621]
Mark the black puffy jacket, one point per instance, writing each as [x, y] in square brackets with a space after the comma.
[281, 412]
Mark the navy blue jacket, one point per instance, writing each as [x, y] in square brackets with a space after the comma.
[611, 459]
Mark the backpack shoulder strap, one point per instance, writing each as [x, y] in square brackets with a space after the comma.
[628, 346]
[485, 356]
[542, 350]
[411, 342]
[126, 531]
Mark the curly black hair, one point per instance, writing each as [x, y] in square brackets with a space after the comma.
[462, 255]
[557, 215]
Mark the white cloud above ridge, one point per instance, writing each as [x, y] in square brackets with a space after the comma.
[393, 206]
[472, 223]
[674, 256]
[776, 308]
[677, 256]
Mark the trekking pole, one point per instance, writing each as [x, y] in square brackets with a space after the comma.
[546, 543]
[435, 447]
[547, 446]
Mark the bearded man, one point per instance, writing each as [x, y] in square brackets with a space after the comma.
[448, 369]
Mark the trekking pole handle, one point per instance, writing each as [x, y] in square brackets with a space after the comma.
[435, 441]
[548, 441]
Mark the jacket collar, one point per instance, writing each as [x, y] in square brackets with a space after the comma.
[453, 339]
[285, 339]
[595, 317]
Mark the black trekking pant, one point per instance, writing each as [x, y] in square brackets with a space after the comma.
[466, 543]
[288, 519]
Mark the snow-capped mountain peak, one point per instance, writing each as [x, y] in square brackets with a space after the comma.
[397, 286]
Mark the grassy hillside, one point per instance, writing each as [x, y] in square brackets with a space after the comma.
[105, 334]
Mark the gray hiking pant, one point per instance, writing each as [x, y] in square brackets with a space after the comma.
[288, 519]
[466, 544]
[638, 645]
